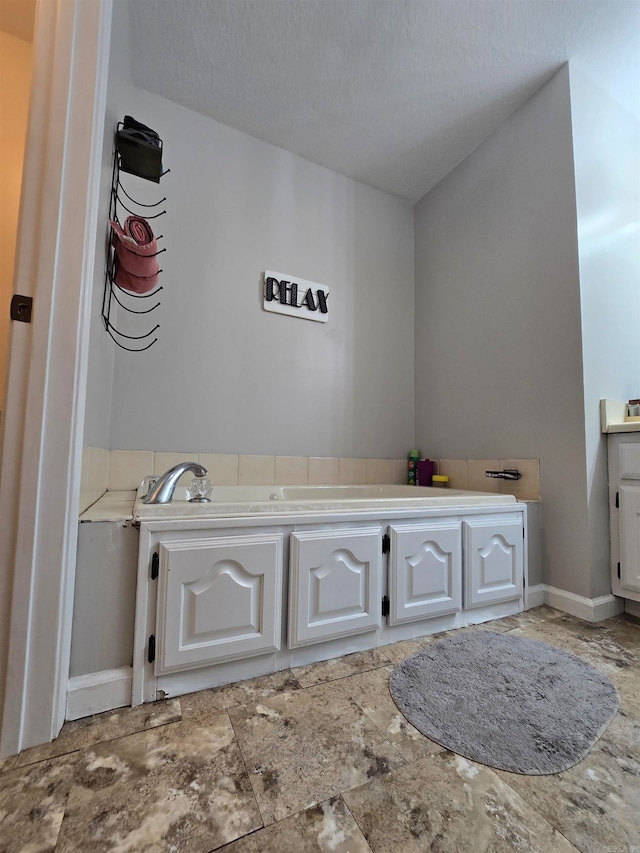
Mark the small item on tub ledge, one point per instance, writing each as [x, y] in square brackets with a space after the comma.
[414, 456]
[200, 490]
[633, 411]
[426, 468]
[507, 474]
[440, 481]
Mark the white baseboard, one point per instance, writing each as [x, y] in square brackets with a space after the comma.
[632, 607]
[534, 596]
[99, 691]
[589, 609]
[104, 691]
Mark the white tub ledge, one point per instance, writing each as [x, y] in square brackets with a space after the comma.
[240, 501]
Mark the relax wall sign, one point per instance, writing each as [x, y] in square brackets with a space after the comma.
[295, 297]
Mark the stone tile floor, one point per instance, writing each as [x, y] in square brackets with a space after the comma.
[318, 758]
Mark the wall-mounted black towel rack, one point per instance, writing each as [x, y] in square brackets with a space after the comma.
[138, 151]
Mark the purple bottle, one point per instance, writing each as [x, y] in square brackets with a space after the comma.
[426, 468]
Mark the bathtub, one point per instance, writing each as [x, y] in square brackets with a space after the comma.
[240, 501]
[264, 578]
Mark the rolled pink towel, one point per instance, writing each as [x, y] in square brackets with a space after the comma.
[135, 246]
[133, 283]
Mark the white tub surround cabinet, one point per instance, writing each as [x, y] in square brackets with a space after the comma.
[221, 599]
[624, 512]
[335, 583]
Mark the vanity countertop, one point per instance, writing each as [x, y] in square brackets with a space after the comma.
[627, 426]
[612, 417]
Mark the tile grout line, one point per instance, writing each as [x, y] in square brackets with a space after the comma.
[348, 675]
[349, 812]
[246, 770]
[537, 811]
[382, 734]
[340, 793]
[79, 749]
[77, 752]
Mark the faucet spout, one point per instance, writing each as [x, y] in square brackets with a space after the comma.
[163, 488]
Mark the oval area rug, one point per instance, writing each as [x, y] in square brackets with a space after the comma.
[507, 702]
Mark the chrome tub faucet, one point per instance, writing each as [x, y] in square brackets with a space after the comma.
[162, 490]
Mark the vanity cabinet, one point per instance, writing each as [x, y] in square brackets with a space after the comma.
[624, 513]
[493, 547]
[334, 583]
[218, 600]
[425, 570]
[630, 538]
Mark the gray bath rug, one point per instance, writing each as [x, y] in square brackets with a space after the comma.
[508, 702]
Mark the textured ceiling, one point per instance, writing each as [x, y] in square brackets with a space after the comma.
[394, 93]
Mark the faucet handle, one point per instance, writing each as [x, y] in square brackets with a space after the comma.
[147, 484]
[200, 490]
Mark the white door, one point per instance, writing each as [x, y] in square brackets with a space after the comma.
[630, 537]
[493, 556]
[425, 570]
[218, 600]
[44, 397]
[334, 584]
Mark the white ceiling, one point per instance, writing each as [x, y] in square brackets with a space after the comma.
[394, 93]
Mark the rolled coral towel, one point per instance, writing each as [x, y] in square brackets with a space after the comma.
[136, 265]
[133, 283]
[135, 246]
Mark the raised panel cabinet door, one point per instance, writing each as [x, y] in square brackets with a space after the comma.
[493, 557]
[630, 537]
[629, 460]
[334, 584]
[425, 570]
[218, 600]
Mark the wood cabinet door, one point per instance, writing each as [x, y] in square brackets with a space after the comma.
[425, 570]
[630, 537]
[334, 584]
[218, 600]
[493, 557]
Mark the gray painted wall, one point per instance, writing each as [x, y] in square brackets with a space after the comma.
[101, 347]
[498, 333]
[228, 377]
[606, 141]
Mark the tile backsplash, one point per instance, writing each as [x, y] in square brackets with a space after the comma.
[95, 475]
[470, 474]
[119, 470]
